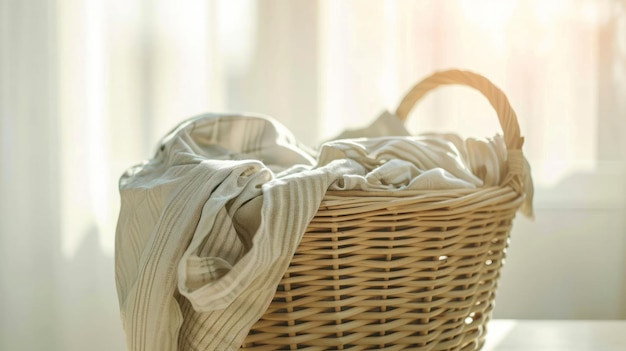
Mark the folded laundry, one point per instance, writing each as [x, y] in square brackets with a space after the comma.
[208, 226]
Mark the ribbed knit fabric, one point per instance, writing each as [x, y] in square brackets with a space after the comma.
[209, 225]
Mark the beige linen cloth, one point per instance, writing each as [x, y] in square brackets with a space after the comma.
[208, 226]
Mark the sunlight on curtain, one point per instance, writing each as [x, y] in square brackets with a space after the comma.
[117, 75]
[543, 54]
[83, 110]
[135, 70]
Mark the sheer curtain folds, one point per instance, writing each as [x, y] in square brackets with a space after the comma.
[88, 87]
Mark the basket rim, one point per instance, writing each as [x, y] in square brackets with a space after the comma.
[404, 193]
[342, 203]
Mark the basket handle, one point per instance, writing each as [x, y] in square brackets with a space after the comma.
[497, 99]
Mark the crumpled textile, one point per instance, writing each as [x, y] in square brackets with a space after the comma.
[486, 158]
[208, 226]
[399, 163]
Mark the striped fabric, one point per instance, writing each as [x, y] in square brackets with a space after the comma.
[205, 231]
[209, 225]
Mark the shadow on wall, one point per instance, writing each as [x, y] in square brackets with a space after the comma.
[88, 300]
[570, 263]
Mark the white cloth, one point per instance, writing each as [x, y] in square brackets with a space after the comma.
[209, 225]
[396, 163]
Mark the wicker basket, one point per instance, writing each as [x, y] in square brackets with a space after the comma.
[401, 270]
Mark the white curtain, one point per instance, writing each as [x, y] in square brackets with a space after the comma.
[87, 88]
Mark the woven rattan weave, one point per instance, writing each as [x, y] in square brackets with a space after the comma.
[401, 270]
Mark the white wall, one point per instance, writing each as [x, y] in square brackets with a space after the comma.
[569, 263]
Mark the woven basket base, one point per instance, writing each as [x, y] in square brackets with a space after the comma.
[392, 274]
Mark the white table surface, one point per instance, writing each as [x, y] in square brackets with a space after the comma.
[556, 335]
